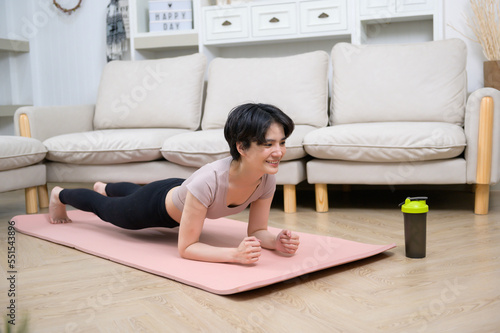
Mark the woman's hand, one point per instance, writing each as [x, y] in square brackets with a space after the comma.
[248, 252]
[287, 242]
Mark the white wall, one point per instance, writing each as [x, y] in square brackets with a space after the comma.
[6, 60]
[455, 13]
[5, 89]
[67, 52]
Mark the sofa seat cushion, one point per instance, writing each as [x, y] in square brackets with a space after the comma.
[109, 146]
[387, 142]
[17, 152]
[297, 84]
[195, 149]
[151, 93]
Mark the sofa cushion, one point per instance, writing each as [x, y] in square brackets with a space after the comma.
[17, 152]
[297, 84]
[109, 146]
[151, 93]
[386, 142]
[196, 149]
[405, 82]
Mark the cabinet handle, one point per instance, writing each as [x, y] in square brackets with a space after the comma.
[323, 15]
[274, 20]
[226, 23]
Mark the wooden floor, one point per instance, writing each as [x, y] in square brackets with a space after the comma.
[456, 288]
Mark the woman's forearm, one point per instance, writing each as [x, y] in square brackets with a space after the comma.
[204, 252]
[267, 239]
[247, 252]
[285, 242]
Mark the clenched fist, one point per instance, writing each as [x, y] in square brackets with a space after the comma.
[249, 250]
[287, 242]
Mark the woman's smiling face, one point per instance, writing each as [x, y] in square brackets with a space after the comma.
[266, 156]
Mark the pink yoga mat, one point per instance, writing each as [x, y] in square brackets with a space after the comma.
[154, 250]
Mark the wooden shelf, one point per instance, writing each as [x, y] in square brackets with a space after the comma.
[13, 45]
[9, 110]
[159, 41]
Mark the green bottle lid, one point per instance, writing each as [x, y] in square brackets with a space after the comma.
[415, 205]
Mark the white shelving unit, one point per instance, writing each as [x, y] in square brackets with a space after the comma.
[148, 45]
[13, 45]
[9, 110]
[11, 48]
[268, 27]
[384, 21]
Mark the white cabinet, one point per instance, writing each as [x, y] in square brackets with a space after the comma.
[386, 8]
[226, 24]
[324, 15]
[409, 6]
[274, 20]
[374, 7]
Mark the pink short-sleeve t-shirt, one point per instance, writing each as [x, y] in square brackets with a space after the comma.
[209, 185]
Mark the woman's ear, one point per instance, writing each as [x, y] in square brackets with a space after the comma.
[240, 148]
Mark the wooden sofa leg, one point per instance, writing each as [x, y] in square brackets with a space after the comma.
[31, 192]
[484, 149]
[43, 196]
[321, 193]
[31, 200]
[482, 199]
[290, 198]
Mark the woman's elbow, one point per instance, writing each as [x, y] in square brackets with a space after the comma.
[182, 252]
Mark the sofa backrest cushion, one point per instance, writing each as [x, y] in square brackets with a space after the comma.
[405, 82]
[160, 93]
[297, 84]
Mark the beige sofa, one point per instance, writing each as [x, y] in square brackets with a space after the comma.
[21, 168]
[147, 123]
[400, 114]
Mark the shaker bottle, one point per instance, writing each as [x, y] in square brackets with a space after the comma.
[415, 223]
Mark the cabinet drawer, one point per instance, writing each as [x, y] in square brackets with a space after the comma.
[384, 8]
[408, 6]
[380, 8]
[324, 15]
[226, 23]
[274, 20]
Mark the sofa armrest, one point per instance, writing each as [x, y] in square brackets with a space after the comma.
[472, 133]
[43, 122]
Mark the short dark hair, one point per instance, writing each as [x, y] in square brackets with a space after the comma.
[249, 123]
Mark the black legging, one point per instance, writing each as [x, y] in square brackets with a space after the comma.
[129, 206]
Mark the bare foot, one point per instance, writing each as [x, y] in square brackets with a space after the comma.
[57, 210]
[100, 188]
